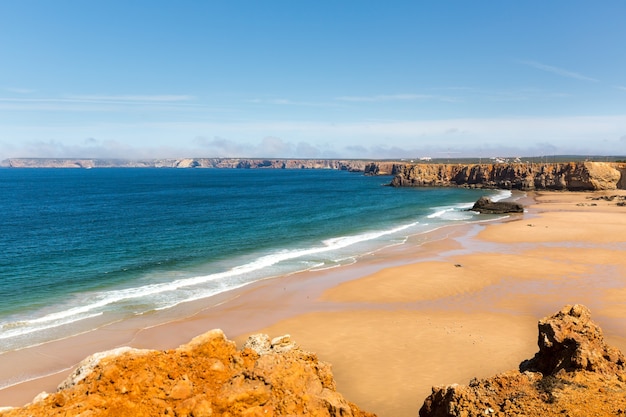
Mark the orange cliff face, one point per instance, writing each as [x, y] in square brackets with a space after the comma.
[206, 377]
[573, 176]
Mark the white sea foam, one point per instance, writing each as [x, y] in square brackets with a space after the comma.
[344, 241]
[439, 213]
[145, 288]
[25, 327]
[452, 213]
[330, 253]
[501, 195]
[96, 304]
[459, 212]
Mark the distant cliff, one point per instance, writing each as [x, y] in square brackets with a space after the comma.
[367, 166]
[573, 176]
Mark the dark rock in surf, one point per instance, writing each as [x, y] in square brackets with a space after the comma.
[485, 206]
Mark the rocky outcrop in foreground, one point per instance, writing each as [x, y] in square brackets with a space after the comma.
[573, 176]
[206, 377]
[575, 373]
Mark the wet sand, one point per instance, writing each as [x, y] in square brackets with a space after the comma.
[458, 303]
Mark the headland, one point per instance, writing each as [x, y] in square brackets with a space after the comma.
[526, 176]
[354, 165]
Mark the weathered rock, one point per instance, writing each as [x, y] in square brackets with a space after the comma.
[206, 377]
[574, 374]
[485, 206]
[620, 198]
[87, 365]
[573, 176]
[380, 168]
[262, 344]
[601, 176]
[570, 341]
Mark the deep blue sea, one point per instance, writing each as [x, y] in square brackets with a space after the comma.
[105, 244]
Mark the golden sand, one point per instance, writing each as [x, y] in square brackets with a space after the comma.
[403, 329]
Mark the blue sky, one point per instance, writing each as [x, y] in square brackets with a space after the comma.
[354, 79]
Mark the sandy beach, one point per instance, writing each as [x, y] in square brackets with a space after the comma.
[458, 303]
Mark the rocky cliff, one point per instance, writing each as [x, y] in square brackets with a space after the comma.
[368, 167]
[574, 176]
[206, 377]
[575, 373]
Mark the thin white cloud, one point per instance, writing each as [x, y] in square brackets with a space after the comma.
[589, 135]
[268, 147]
[100, 99]
[288, 102]
[19, 90]
[558, 71]
[396, 97]
[372, 131]
[86, 103]
[619, 87]
[132, 98]
[471, 94]
[523, 95]
[52, 105]
[270, 101]
[33, 100]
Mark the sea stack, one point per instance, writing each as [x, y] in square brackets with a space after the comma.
[485, 206]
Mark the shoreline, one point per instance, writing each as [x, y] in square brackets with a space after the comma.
[50, 362]
[432, 322]
[405, 318]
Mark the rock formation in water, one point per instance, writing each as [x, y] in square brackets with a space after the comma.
[206, 377]
[575, 374]
[573, 176]
[485, 206]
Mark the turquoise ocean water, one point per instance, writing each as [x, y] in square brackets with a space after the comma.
[96, 246]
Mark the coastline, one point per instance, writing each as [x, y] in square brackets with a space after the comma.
[404, 318]
[238, 311]
[435, 323]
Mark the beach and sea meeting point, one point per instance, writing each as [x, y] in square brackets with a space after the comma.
[324, 209]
